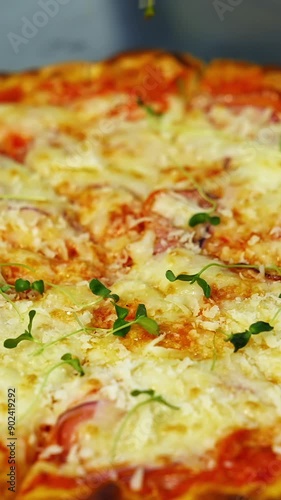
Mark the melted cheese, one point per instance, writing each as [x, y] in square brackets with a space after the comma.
[211, 401]
[81, 208]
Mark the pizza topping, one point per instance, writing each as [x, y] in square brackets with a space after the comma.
[70, 360]
[277, 312]
[106, 193]
[101, 290]
[27, 335]
[64, 432]
[152, 398]
[204, 217]
[66, 359]
[85, 329]
[240, 340]
[25, 285]
[150, 111]
[121, 327]
[13, 264]
[196, 278]
[11, 94]
[15, 146]
[192, 278]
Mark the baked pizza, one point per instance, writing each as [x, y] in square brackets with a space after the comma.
[140, 295]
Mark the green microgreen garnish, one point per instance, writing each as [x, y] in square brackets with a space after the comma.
[150, 111]
[202, 218]
[65, 292]
[38, 286]
[215, 353]
[240, 340]
[45, 346]
[121, 327]
[16, 197]
[3, 291]
[74, 362]
[152, 398]
[17, 264]
[66, 359]
[4, 288]
[150, 9]
[278, 310]
[98, 288]
[192, 278]
[205, 217]
[27, 335]
[22, 285]
[196, 278]
[84, 328]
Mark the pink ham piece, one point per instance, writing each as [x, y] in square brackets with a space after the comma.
[65, 429]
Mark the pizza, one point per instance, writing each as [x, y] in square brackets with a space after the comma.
[140, 295]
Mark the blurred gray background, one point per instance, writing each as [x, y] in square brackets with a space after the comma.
[38, 32]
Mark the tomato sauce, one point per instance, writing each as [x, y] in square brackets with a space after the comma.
[244, 458]
[148, 83]
[15, 146]
[246, 90]
[13, 94]
[52, 482]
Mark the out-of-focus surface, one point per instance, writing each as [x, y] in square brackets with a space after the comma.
[39, 32]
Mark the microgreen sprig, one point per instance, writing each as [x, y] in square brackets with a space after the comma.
[3, 291]
[84, 328]
[150, 9]
[22, 285]
[205, 217]
[278, 311]
[191, 278]
[67, 335]
[202, 218]
[150, 111]
[66, 359]
[16, 197]
[27, 335]
[121, 327]
[70, 360]
[98, 288]
[17, 264]
[240, 340]
[152, 398]
[196, 278]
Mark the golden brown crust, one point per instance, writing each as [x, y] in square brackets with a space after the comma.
[232, 83]
[128, 72]
[240, 83]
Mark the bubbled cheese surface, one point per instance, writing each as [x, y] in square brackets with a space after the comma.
[80, 208]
